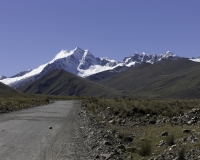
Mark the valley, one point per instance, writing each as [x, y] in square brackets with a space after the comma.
[146, 107]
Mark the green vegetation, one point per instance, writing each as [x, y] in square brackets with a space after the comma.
[181, 153]
[145, 148]
[166, 79]
[60, 82]
[170, 139]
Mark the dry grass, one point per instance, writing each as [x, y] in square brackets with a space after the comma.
[161, 107]
[138, 109]
[11, 102]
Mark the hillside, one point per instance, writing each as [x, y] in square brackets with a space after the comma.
[179, 78]
[6, 89]
[105, 74]
[60, 82]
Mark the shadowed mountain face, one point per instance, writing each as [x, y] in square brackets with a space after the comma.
[105, 74]
[6, 89]
[178, 78]
[59, 82]
[170, 78]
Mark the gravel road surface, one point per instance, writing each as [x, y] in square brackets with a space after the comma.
[25, 134]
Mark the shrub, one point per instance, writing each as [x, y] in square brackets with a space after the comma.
[170, 139]
[145, 148]
[181, 153]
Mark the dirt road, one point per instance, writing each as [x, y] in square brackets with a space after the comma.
[25, 134]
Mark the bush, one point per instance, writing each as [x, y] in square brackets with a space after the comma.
[181, 153]
[145, 148]
[170, 139]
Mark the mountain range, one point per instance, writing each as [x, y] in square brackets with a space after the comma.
[82, 63]
[79, 73]
[177, 78]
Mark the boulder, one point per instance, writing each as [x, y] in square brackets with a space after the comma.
[186, 131]
[164, 133]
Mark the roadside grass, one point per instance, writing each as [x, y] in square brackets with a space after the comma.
[12, 102]
[151, 134]
[147, 139]
[161, 107]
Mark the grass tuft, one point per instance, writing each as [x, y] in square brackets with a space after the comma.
[145, 148]
[181, 153]
[170, 140]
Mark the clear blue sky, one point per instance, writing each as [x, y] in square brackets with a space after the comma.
[32, 32]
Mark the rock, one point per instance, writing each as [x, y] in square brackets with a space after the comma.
[177, 158]
[172, 147]
[106, 156]
[186, 131]
[141, 139]
[119, 121]
[153, 121]
[123, 121]
[161, 143]
[164, 133]
[97, 156]
[121, 146]
[130, 149]
[111, 121]
[191, 121]
[100, 131]
[195, 140]
[164, 120]
[99, 149]
[50, 127]
[107, 136]
[47, 100]
[128, 139]
[148, 115]
[107, 143]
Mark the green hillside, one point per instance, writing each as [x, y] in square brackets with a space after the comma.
[59, 82]
[178, 78]
[6, 89]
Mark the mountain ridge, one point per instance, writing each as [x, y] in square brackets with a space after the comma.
[60, 82]
[82, 63]
[177, 78]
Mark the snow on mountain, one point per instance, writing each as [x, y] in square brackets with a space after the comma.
[21, 73]
[195, 59]
[2, 77]
[82, 63]
[137, 58]
[79, 62]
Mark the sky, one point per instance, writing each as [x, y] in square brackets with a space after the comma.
[32, 32]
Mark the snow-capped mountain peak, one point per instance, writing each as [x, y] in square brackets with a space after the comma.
[61, 54]
[82, 63]
[2, 77]
[195, 59]
[78, 61]
[169, 54]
